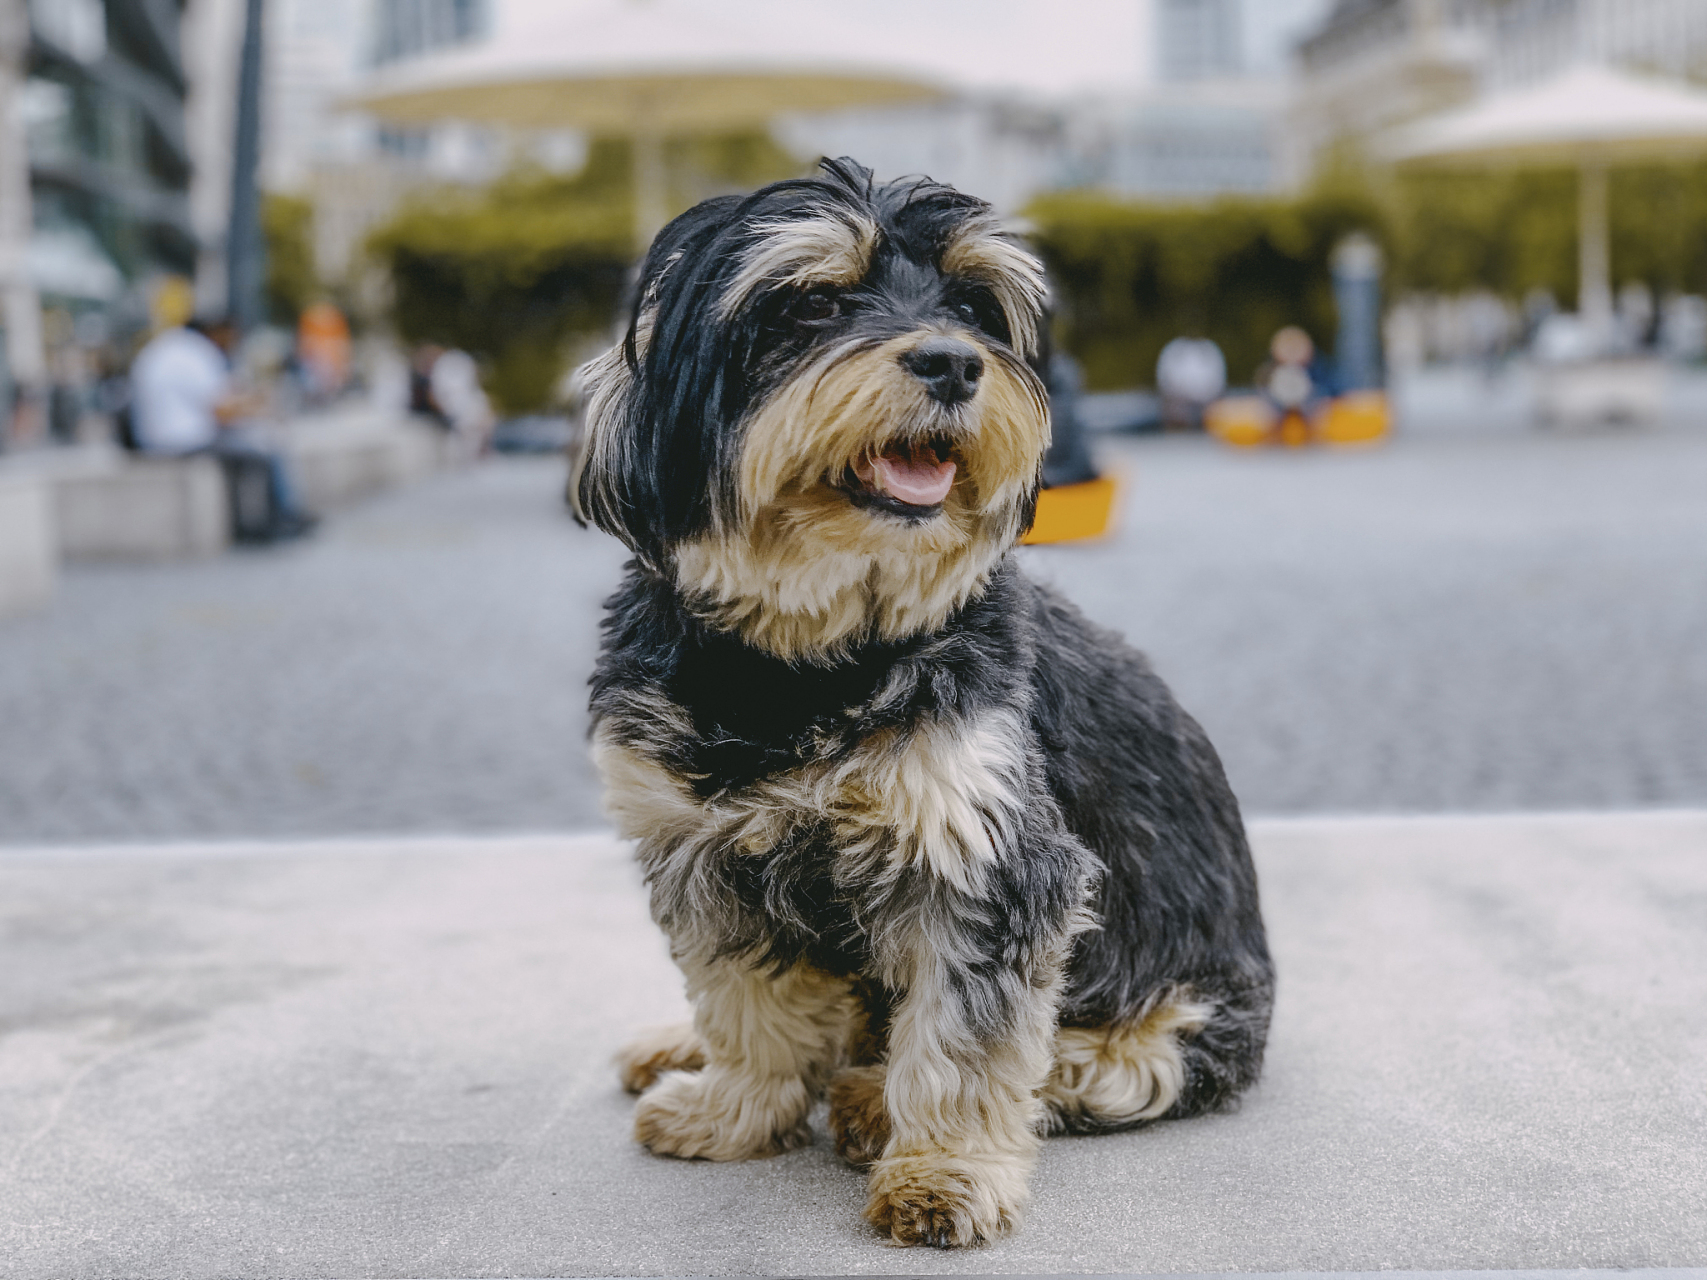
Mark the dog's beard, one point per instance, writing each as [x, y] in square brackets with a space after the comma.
[866, 509]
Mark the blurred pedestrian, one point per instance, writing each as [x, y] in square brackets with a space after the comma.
[1190, 373]
[457, 395]
[1294, 383]
[323, 351]
[421, 402]
[183, 403]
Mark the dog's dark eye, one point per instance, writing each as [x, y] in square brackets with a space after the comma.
[977, 309]
[817, 307]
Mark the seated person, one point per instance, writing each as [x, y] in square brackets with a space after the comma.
[182, 402]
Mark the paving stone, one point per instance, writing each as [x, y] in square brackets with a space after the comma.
[1455, 622]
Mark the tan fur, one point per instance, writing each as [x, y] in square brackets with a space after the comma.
[983, 250]
[944, 1199]
[1124, 1074]
[858, 1121]
[964, 1115]
[771, 1041]
[935, 797]
[649, 1055]
[807, 573]
[833, 248]
[601, 386]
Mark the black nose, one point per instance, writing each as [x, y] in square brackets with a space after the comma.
[948, 367]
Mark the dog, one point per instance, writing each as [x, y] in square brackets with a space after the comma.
[924, 841]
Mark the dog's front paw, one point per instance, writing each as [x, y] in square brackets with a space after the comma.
[946, 1200]
[642, 1060]
[859, 1122]
[711, 1115]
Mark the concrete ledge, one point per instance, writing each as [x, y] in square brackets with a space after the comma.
[339, 457]
[144, 509]
[111, 505]
[29, 551]
[391, 1058]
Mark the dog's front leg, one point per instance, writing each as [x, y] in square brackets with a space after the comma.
[770, 1041]
[969, 1047]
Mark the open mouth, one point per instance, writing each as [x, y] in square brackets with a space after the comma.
[905, 477]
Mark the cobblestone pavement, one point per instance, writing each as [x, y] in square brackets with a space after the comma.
[1455, 623]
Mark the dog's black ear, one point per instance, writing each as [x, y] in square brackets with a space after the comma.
[652, 444]
[664, 411]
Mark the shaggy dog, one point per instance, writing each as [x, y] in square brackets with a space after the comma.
[922, 838]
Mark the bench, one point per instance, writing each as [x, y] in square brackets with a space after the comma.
[101, 503]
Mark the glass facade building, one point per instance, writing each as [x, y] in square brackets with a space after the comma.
[103, 109]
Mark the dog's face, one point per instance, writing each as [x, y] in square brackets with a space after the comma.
[822, 425]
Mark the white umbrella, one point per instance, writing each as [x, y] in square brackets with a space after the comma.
[1591, 117]
[642, 70]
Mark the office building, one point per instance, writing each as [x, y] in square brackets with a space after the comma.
[1375, 64]
[1197, 39]
[103, 112]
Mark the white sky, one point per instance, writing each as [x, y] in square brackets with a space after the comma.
[1046, 46]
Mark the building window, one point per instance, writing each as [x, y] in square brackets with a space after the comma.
[49, 121]
[121, 134]
[76, 27]
[411, 27]
[404, 144]
[1197, 39]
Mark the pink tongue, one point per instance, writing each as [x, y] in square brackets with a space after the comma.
[918, 482]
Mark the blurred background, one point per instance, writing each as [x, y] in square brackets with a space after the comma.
[1381, 323]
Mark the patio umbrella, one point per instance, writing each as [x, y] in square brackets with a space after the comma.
[645, 71]
[1590, 117]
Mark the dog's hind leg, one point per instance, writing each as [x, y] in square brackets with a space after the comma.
[649, 1055]
[1187, 1053]
[1118, 1076]
[771, 1040]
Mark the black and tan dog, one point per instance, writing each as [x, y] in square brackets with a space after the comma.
[922, 838]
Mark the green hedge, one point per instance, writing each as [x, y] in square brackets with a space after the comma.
[514, 273]
[292, 282]
[1515, 232]
[1129, 276]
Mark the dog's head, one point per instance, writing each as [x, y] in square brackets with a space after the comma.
[822, 425]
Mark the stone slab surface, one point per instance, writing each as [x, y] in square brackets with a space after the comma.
[390, 1058]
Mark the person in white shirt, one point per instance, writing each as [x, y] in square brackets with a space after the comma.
[182, 402]
[180, 386]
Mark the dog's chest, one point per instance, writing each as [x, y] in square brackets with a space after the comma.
[753, 717]
[828, 803]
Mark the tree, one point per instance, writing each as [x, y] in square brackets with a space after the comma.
[292, 282]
